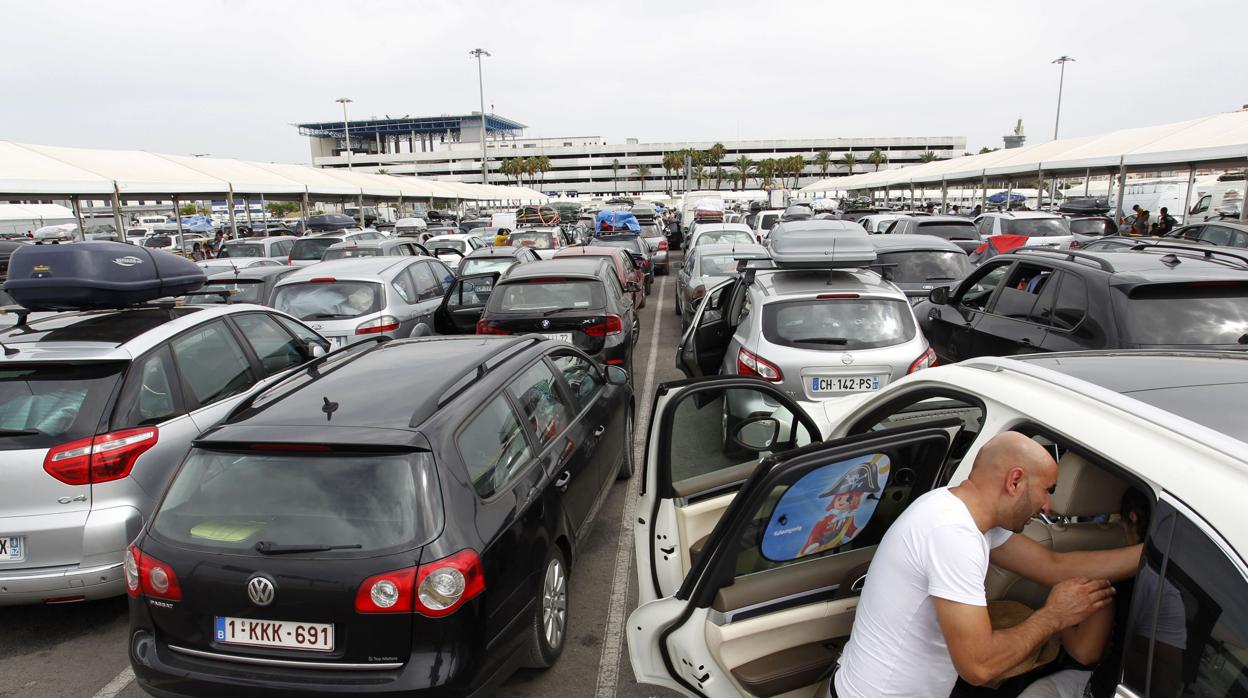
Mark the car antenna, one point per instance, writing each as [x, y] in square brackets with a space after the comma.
[8, 351]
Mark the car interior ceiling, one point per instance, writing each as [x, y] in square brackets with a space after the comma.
[772, 630]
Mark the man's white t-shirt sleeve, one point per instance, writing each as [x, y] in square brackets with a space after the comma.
[956, 559]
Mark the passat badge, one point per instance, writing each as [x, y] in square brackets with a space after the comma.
[127, 261]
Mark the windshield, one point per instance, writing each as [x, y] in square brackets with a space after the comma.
[45, 404]
[548, 294]
[767, 221]
[1093, 226]
[158, 241]
[350, 252]
[649, 231]
[242, 291]
[312, 249]
[1036, 227]
[1197, 314]
[923, 266]
[454, 245]
[541, 241]
[838, 324]
[241, 250]
[329, 300]
[725, 236]
[715, 265]
[232, 501]
[950, 231]
[485, 265]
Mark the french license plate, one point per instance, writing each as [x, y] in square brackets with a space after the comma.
[12, 549]
[560, 336]
[317, 637]
[844, 384]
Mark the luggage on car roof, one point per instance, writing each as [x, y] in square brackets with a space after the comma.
[101, 274]
[820, 244]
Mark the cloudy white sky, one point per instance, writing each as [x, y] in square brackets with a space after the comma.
[228, 77]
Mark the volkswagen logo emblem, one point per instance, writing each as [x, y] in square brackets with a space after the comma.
[847, 359]
[260, 590]
[545, 324]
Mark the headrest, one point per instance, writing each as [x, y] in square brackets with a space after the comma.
[1084, 489]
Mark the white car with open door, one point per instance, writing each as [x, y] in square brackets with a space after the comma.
[753, 546]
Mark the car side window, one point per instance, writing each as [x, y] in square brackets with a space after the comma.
[1072, 303]
[427, 285]
[581, 376]
[275, 347]
[977, 294]
[405, 286]
[443, 274]
[1202, 205]
[1019, 294]
[537, 394]
[212, 363]
[1216, 234]
[984, 225]
[305, 334]
[615, 288]
[150, 395]
[493, 446]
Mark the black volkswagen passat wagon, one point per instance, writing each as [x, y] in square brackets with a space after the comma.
[399, 518]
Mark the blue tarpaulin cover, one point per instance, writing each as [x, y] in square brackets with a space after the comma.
[999, 197]
[616, 220]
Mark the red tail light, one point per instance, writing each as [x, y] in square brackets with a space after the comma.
[484, 327]
[662, 245]
[385, 323]
[323, 280]
[100, 458]
[147, 576]
[444, 585]
[1074, 244]
[612, 324]
[749, 364]
[927, 360]
[389, 592]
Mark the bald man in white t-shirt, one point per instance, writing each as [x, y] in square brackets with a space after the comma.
[923, 617]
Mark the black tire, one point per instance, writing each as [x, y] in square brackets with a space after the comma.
[649, 285]
[676, 298]
[626, 470]
[542, 652]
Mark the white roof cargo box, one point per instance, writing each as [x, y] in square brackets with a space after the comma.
[820, 244]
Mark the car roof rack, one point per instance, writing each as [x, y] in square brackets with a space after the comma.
[486, 365]
[223, 293]
[1240, 260]
[1070, 255]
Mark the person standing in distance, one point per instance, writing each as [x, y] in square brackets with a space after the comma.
[924, 598]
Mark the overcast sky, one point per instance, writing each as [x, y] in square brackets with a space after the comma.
[229, 77]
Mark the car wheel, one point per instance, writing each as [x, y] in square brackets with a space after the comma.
[636, 339]
[550, 618]
[626, 470]
[676, 302]
[649, 285]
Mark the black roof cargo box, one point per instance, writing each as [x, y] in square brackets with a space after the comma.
[820, 244]
[85, 275]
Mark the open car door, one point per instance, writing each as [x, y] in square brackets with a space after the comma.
[702, 348]
[769, 600]
[463, 303]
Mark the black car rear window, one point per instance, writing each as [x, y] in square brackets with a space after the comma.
[1036, 227]
[108, 326]
[1193, 314]
[47, 404]
[841, 324]
[311, 249]
[950, 231]
[923, 266]
[230, 501]
[548, 294]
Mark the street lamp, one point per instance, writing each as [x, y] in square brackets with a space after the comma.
[346, 127]
[1060, 82]
[478, 53]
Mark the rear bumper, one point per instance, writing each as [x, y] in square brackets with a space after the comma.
[96, 574]
[63, 584]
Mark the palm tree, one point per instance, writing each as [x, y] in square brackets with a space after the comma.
[718, 175]
[643, 171]
[767, 171]
[699, 174]
[928, 156]
[848, 161]
[823, 159]
[543, 166]
[530, 167]
[877, 158]
[744, 166]
[797, 166]
[615, 173]
[666, 163]
[716, 154]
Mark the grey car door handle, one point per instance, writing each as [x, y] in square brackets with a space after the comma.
[564, 478]
[600, 431]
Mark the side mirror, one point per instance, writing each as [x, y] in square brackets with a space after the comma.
[632, 286]
[939, 295]
[678, 265]
[617, 375]
[758, 434]
[318, 350]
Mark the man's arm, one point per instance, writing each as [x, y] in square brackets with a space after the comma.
[1023, 556]
[981, 654]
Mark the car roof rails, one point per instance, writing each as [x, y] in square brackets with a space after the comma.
[224, 294]
[312, 366]
[1240, 260]
[486, 365]
[1070, 255]
[21, 312]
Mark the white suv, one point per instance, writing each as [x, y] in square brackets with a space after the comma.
[767, 597]
[1041, 229]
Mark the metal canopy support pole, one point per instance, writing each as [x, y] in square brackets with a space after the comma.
[885, 196]
[1122, 185]
[177, 216]
[82, 227]
[1087, 181]
[1039, 188]
[912, 202]
[229, 207]
[1009, 192]
[944, 196]
[359, 201]
[303, 208]
[983, 193]
[1243, 203]
[1187, 198]
[121, 230]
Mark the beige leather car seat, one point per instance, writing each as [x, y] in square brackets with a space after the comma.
[1083, 490]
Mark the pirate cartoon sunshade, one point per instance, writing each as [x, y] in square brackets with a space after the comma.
[826, 508]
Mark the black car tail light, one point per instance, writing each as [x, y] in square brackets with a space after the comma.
[485, 327]
[611, 324]
[389, 592]
[147, 576]
[442, 586]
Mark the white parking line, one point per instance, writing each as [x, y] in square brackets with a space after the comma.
[118, 683]
[613, 639]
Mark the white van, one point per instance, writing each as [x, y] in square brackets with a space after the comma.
[1153, 194]
[1222, 199]
[689, 202]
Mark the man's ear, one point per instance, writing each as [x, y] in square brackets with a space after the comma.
[1014, 479]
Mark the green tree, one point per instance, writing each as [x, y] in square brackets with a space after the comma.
[189, 209]
[877, 158]
[278, 209]
[716, 154]
[767, 172]
[699, 175]
[848, 161]
[745, 167]
[986, 149]
[615, 173]
[823, 159]
[928, 156]
[718, 175]
[543, 166]
[643, 171]
[797, 166]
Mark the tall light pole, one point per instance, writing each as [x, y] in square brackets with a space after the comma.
[344, 101]
[485, 171]
[1060, 83]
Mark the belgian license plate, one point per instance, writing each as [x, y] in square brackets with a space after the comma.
[844, 384]
[317, 637]
[560, 336]
[12, 549]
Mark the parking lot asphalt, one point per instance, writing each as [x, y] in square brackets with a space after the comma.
[78, 650]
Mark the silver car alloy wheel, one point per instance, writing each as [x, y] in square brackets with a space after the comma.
[554, 603]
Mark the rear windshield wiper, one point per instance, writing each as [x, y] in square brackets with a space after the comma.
[265, 547]
[20, 432]
[824, 340]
